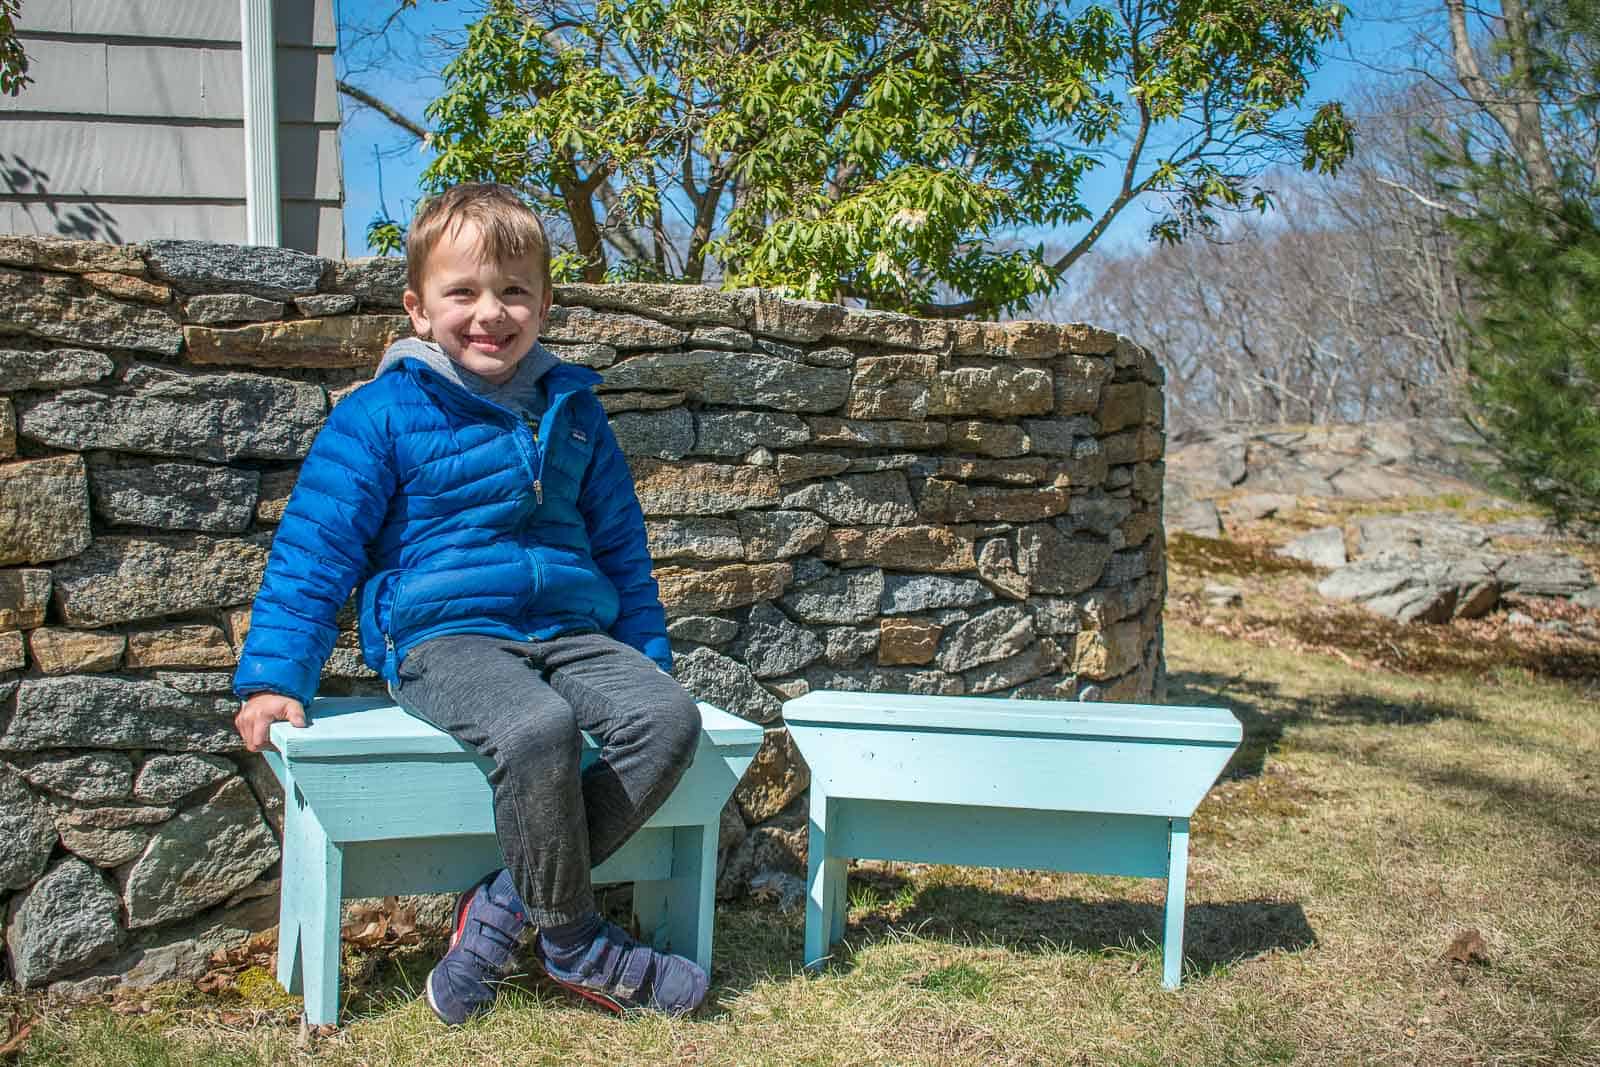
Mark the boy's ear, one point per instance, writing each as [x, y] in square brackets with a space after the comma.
[419, 315]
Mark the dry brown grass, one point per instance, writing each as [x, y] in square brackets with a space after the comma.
[1380, 807]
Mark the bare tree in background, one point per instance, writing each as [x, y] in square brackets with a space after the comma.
[1344, 305]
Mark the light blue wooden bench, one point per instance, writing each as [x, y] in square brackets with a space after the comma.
[378, 802]
[983, 781]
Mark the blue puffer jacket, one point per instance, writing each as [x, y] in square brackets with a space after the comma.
[459, 521]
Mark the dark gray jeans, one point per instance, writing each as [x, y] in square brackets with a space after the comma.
[521, 705]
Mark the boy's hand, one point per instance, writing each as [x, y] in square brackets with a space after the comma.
[260, 712]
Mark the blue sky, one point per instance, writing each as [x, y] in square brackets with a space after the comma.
[381, 169]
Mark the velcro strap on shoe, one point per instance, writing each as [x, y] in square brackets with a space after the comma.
[636, 968]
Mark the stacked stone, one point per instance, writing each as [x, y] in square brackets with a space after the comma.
[835, 499]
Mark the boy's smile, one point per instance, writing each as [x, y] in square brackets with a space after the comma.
[485, 315]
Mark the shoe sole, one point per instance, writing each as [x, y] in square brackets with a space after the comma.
[593, 996]
[616, 1007]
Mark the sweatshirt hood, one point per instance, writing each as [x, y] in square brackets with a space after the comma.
[534, 366]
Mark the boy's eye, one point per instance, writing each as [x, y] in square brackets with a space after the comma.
[515, 290]
[458, 291]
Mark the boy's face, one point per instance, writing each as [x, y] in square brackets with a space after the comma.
[486, 316]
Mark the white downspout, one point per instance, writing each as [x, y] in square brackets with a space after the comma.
[262, 206]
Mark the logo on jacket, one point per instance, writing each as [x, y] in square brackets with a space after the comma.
[580, 437]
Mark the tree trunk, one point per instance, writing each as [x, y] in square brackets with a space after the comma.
[1515, 109]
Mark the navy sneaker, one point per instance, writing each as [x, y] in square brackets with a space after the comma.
[490, 918]
[619, 973]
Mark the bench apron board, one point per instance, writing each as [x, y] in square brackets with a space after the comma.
[380, 803]
[984, 781]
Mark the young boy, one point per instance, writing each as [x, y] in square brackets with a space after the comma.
[476, 489]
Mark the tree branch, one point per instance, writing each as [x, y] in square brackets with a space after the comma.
[361, 96]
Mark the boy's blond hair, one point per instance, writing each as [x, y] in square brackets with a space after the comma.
[509, 230]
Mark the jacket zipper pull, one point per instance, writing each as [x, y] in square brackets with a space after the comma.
[538, 492]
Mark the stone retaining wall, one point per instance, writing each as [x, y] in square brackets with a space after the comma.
[835, 498]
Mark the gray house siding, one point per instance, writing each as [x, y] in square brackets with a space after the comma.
[134, 126]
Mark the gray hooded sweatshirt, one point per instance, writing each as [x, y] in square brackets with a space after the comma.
[523, 392]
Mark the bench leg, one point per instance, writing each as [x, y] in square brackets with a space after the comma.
[675, 914]
[1177, 879]
[825, 897]
[308, 931]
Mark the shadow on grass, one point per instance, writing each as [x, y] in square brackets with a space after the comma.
[1264, 710]
[756, 943]
[1214, 934]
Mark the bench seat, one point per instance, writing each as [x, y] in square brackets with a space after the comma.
[378, 802]
[983, 781]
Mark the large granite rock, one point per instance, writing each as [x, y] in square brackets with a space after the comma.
[122, 579]
[726, 683]
[771, 645]
[688, 591]
[214, 417]
[337, 341]
[776, 778]
[1545, 574]
[701, 488]
[200, 858]
[849, 597]
[682, 304]
[1321, 548]
[658, 434]
[771, 535]
[103, 712]
[51, 368]
[1058, 564]
[213, 267]
[736, 433]
[27, 831]
[1367, 461]
[175, 496]
[1417, 535]
[91, 777]
[994, 635]
[733, 378]
[1409, 590]
[858, 499]
[24, 596]
[708, 539]
[168, 777]
[66, 309]
[44, 509]
[65, 923]
[904, 593]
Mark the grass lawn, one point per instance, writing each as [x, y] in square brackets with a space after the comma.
[1399, 867]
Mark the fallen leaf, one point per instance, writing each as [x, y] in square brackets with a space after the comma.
[309, 1034]
[1468, 947]
[402, 918]
[365, 934]
[385, 923]
[214, 982]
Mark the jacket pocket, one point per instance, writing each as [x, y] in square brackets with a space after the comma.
[378, 598]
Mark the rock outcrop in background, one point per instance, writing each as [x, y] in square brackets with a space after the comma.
[836, 499]
[1427, 565]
